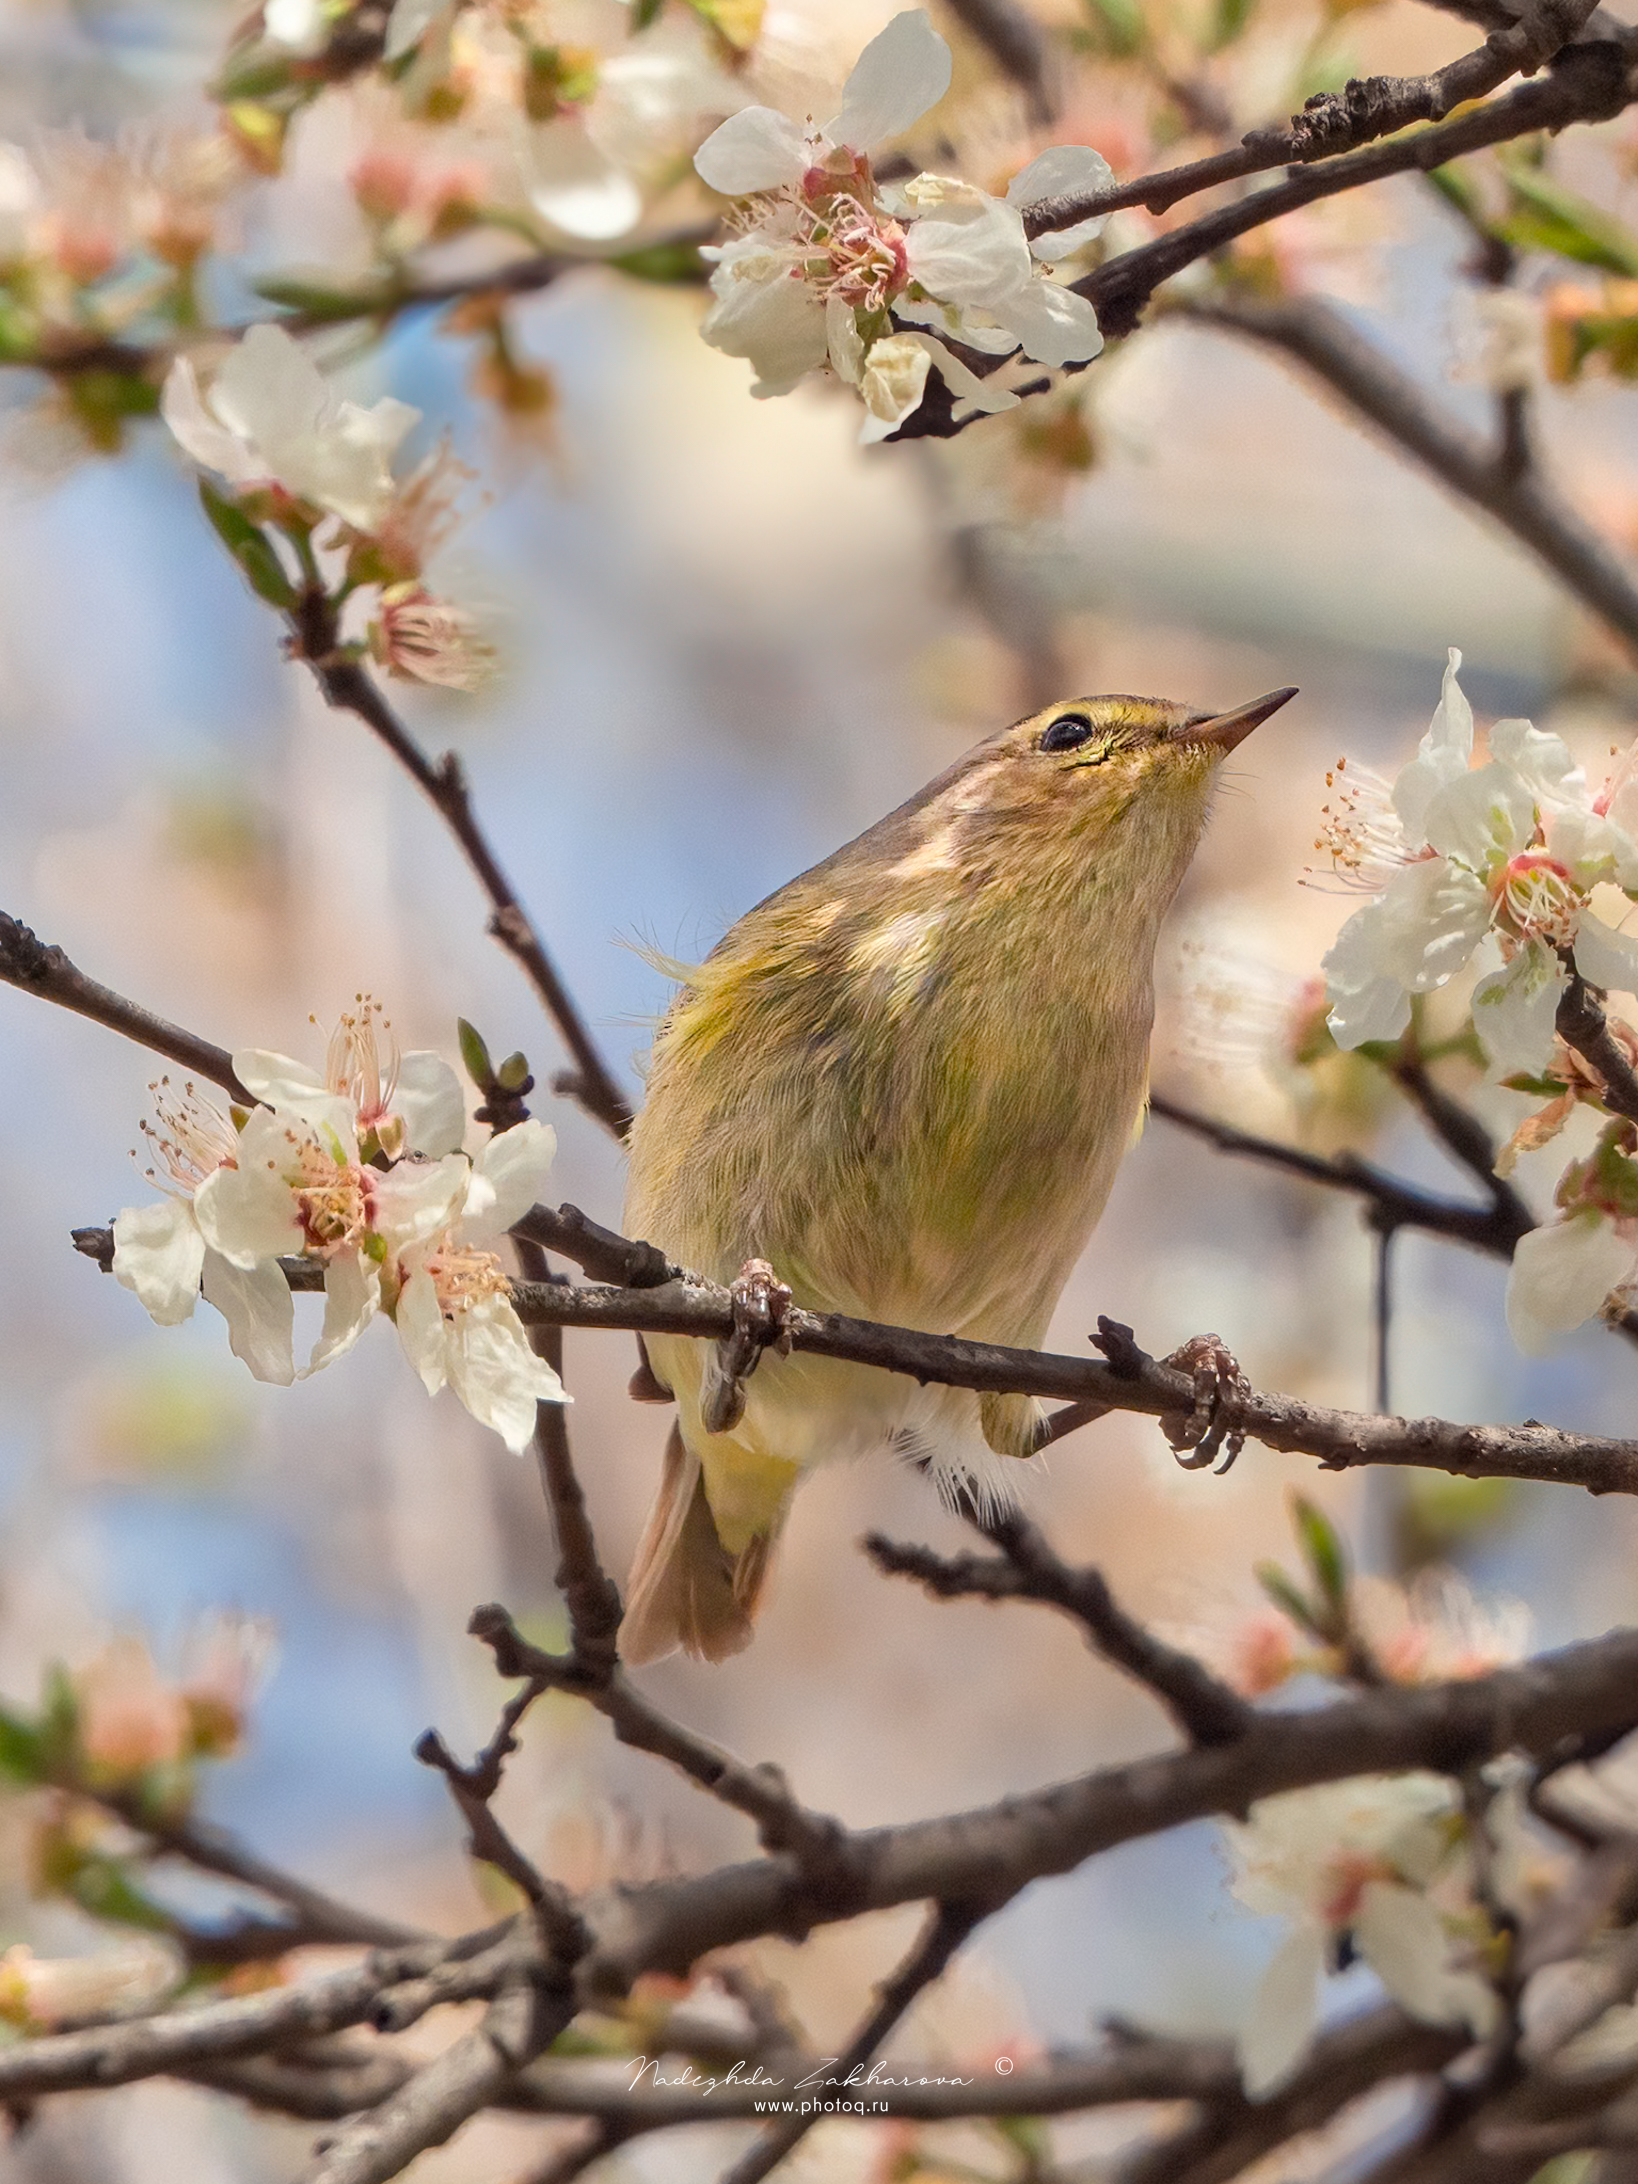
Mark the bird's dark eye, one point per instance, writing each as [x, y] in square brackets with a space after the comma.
[1066, 733]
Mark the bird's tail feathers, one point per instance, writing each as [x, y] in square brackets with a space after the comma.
[686, 1588]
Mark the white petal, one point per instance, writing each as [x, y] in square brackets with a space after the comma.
[248, 1212]
[843, 340]
[1066, 170]
[963, 322]
[1421, 929]
[294, 1089]
[257, 1306]
[778, 324]
[1514, 1010]
[345, 466]
[1604, 956]
[1403, 1939]
[352, 1295]
[1482, 817]
[970, 252]
[300, 26]
[1444, 752]
[1541, 761]
[755, 149]
[269, 390]
[577, 187]
[515, 1165]
[495, 1373]
[417, 1198]
[1561, 1275]
[432, 1104]
[199, 434]
[1588, 845]
[1284, 2011]
[892, 383]
[423, 1330]
[159, 1255]
[1053, 324]
[903, 71]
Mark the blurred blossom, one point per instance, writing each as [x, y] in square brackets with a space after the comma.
[1499, 858]
[130, 1718]
[1354, 1859]
[226, 1659]
[1569, 1269]
[270, 420]
[1499, 339]
[425, 639]
[40, 1993]
[1436, 1629]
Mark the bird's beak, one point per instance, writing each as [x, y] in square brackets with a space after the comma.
[1225, 730]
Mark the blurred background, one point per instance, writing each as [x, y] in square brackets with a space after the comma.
[730, 639]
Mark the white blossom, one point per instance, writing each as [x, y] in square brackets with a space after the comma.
[1357, 1859]
[37, 1993]
[454, 1317]
[829, 267]
[270, 418]
[1502, 856]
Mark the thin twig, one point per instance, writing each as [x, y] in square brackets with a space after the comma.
[1336, 122]
[39, 968]
[1207, 1711]
[346, 684]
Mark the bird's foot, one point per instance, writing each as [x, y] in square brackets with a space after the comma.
[1210, 1429]
[760, 1303]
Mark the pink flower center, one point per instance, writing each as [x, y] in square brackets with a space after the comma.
[1536, 899]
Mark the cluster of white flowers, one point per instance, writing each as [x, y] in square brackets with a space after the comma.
[320, 469]
[1381, 1863]
[1495, 864]
[359, 1170]
[831, 267]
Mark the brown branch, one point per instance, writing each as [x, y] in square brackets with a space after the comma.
[946, 1930]
[761, 1793]
[1235, 2133]
[1337, 122]
[1321, 339]
[1206, 1711]
[176, 2040]
[346, 685]
[37, 967]
[1583, 1025]
[1585, 1689]
[431, 2106]
[1340, 1439]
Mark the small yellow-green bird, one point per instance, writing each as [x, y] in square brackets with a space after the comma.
[906, 1081]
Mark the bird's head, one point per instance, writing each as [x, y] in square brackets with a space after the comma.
[1124, 782]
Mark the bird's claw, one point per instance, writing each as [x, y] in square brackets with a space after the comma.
[760, 1302]
[1211, 1428]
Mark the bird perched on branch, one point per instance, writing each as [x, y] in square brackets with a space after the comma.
[903, 1084]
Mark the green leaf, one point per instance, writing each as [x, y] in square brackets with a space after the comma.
[474, 1054]
[1322, 1550]
[1546, 216]
[673, 262]
[737, 22]
[314, 300]
[249, 546]
[1287, 1599]
[1230, 19]
[20, 1753]
[1118, 26]
[1458, 188]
